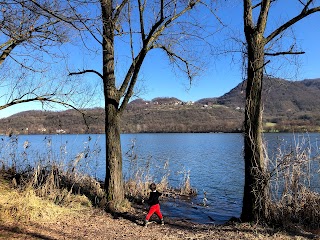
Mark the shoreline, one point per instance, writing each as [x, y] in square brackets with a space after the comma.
[97, 224]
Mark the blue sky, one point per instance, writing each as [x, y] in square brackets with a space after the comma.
[224, 72]
[221, 72]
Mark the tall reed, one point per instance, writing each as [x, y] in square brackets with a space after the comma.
[142, 171]
[294, 174]
[49, 173]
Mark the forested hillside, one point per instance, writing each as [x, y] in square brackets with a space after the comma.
[288, 106]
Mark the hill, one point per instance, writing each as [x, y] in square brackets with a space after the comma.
[280, 96]
[288, 106]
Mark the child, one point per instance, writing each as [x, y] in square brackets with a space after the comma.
[153, 202]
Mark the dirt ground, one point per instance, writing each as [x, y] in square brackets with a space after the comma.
[97, 224]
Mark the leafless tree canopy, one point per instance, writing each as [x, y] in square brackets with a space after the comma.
[141, 26]
[30, 32]
[26, 26]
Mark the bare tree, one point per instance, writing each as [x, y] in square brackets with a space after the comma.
[255, 18]
[140, 26]
[28, 33]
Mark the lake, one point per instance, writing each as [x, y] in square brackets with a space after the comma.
[213, 161]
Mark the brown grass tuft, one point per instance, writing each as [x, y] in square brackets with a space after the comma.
[18, 205]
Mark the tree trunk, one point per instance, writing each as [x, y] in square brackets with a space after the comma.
[255, 190]
[113, 181]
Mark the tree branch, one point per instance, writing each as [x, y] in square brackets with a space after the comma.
[173, 56]
[141, 10]
[304, 13]
[132, 79]
[86, 71]
[262, 19]
[45, 99]
[118, 10]
[247, 16]
[130, 30]
[284, 53]
[144, 48]
[86, 27]
[259, 4]
[54, 14]
[159, 26]
[5, 53]
[126, 89]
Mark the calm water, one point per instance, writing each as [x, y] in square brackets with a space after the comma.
[214, 162]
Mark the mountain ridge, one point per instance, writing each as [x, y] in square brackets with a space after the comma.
[288, 106]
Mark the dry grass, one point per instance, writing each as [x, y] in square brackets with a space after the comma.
[186, 189]
[18, 205]
[293, 201]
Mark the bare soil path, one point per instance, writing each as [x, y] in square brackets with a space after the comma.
[96, 224]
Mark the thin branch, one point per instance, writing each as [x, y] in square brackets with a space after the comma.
[45, 99]
[141, 11]
[284, 53]
[161, 10]
[130, 31]
[86, 71]
[173, 55]
[214, 14]
[156, 30]
[25, 66]
[54, 14]
[306, 5]
[86, 27]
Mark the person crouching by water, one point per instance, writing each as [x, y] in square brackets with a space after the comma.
[153, 202]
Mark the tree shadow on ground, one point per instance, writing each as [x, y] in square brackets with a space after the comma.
[7, 232]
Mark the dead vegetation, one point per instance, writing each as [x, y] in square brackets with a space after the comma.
[24, 205]
[64, 215]
[141, 172]
[292, 181]
[27, 216]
